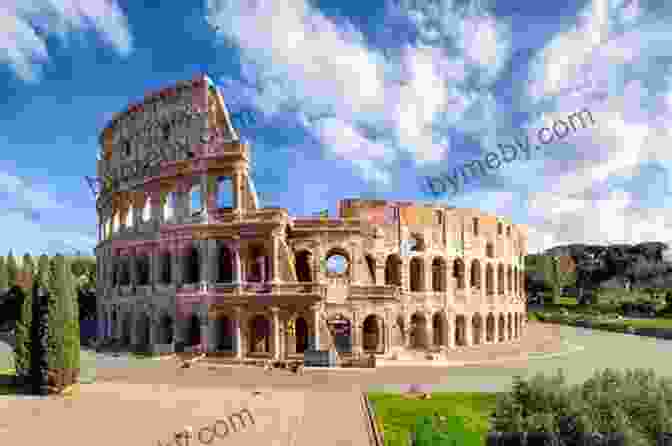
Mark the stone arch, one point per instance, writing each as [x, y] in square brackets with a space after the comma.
[192, 262]
[339, 251]
[500, 279]
[516, 320]
[475, 274]
[225, 338]
[439, 274]
[490, 250]
[509, 327]
[458, 273]
[142, 328]
[371, 267]
[399, 332]
[393, 270]
[125, 278]
[476, 328]
[501, 328]
[460, 330]
[225, 264]
[301, 334]
[489, 279]
[490, 328]
[260, 334]
[194, 330]
[418, 331]
[372, 335]
[509, 279]
[417, 271]
[166, 328]
[438, 328]
[341, 328]
[126, 328]
[166, 267]
[257, 264]
[142, 269]
[303, 259]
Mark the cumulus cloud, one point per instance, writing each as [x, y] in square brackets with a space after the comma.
[26, 24]
[340, 85]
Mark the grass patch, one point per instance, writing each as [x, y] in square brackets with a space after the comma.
[399, 415]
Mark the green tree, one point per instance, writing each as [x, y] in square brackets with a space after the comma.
[58, 350]
[72, 327]
[39, 346]
[4, 283]
[12, 269]
[22, 346]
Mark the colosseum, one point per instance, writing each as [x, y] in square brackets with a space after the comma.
[189, 260]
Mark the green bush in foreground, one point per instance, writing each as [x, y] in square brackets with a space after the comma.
[634, 403]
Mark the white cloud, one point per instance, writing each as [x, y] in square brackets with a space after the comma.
[26, 24]
[308, 61]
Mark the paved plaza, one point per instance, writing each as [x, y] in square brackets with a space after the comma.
[144, 404]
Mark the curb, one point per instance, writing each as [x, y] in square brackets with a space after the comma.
[375, 437]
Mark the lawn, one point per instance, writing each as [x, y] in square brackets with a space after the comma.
[399, 415]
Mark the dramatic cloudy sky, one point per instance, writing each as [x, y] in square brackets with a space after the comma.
[352, 99]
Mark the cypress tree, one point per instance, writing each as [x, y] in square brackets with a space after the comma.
[72, 335]
[22, 346]
[4, 283]
[57, 348]
[39, 330]
[28, 268]
[12, 269]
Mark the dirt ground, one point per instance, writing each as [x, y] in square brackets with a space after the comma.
[143, 405]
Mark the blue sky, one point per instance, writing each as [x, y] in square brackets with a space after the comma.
[353, 99]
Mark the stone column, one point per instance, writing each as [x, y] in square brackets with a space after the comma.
[237, 332]
[429, 330]
[496, 331]
[316, 326]
[276, 332]
[450, 330]
[204, 195]
[275, 260]
[356, 334]
[381, 334]
[238, 265]
[205, 329]
[204, 260]
[237, 192]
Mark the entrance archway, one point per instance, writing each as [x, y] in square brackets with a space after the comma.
[438, 329]
[476, 328]
[418, 331]
[501, 328]
[341, 327]
[225, 334]
[509, 327]
[194, 331]
[460, 330]
[371, 338]
[127, 329]
[490, 328]
[301, 327]
[142, 330]
[260, 334]
[166, 326]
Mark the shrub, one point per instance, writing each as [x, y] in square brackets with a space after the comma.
[635, 404]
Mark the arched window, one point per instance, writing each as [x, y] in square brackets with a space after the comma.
[393, 270]
[475, 222]
[115, 222]
[458, 273]
[195, 200]
[224, 192]
[192, 266]
[499, 228]
[475, 274]
[147, 210]
[489, 250]
[169, 206]
[129, 217]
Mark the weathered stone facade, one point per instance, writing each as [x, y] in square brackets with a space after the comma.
[254, 282]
